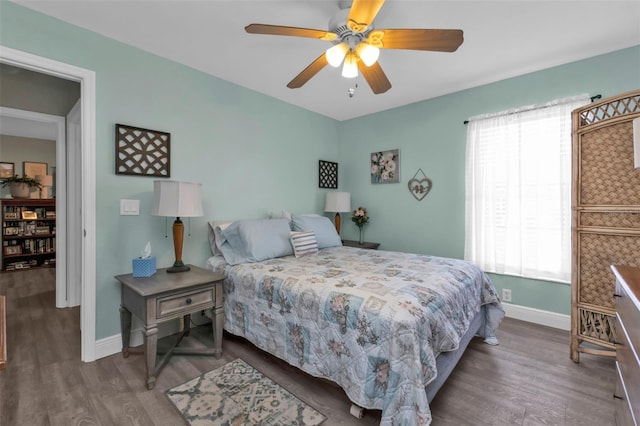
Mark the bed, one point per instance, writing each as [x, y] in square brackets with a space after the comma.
[387, 327]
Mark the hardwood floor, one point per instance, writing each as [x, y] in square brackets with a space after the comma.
[527, 380]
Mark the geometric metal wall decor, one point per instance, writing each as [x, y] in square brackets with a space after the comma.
[142, 152]
[327, 174]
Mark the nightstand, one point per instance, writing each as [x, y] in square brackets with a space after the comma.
[168, 296]
[365, 245]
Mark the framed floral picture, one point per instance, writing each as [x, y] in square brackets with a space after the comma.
[385, 166]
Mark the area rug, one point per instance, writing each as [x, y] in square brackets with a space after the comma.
[236, 394]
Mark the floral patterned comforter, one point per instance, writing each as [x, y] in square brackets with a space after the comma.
[371, 321]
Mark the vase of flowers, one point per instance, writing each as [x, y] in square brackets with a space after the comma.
[360, 218]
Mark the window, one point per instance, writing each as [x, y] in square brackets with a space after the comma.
[518, 191]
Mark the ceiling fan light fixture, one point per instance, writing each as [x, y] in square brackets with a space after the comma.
[336, 54]
[357, 43]
[368, 53]
[350, 67]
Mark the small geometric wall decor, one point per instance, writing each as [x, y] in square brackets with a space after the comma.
[419, 185]
[327, 174]
[142, 152]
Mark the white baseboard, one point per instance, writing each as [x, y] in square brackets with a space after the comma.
[538, 316]
[113, 344]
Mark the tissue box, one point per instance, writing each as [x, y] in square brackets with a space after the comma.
[144, 267]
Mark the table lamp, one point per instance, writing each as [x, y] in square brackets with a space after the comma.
[177, 199]
[46, 182]
[338, 202]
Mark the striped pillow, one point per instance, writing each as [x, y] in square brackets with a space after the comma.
[304, 243]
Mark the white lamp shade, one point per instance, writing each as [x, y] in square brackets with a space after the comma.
[44, 180]
[350, 66]
[176, 199]
[368, 53]
[336, 54]
[338, 202]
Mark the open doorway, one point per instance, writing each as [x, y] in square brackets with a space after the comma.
[36, 137]
[84, 154]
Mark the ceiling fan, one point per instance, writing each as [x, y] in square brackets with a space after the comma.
[357, 43]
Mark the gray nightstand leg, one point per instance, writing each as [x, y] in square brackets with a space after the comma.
[186, 324]
[150, 350]
[125, 330]
[217, 321]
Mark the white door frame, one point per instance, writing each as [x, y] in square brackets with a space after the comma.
[57, 125]
[87, 80]
[73, 216]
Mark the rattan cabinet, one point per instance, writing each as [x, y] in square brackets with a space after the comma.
[606, 217]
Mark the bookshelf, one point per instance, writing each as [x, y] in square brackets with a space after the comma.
[28, 234]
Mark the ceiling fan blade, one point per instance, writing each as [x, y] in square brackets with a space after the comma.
[362, 14]
[306, 74]
[417, 39]
[290, 31]
[376, 78]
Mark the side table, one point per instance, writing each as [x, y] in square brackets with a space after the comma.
[365, 245]
[168, 296]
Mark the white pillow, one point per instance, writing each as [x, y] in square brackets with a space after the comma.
[273, 215]
[212, 234]
[285, 214]
[304, 243]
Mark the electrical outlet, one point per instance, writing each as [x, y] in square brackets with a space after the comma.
[506, 295]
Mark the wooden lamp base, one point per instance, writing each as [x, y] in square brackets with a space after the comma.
[178, 238]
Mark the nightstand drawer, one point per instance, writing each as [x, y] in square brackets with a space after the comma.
[176, 304]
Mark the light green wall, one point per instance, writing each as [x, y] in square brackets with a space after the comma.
[252, 153]
[255, 154]
[431, 136]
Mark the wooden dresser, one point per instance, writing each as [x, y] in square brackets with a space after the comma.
[627, 331]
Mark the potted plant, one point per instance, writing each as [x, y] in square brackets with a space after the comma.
[19, 187]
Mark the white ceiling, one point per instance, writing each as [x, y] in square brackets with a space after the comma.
[14, 126]
[502, 39]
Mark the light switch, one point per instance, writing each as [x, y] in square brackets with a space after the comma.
[129, 207]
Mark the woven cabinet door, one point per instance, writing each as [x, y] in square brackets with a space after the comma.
[606, 217]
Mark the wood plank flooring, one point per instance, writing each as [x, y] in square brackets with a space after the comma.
[527, 380]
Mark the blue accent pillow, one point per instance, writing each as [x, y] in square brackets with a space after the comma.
[326, 234]
[254, 240]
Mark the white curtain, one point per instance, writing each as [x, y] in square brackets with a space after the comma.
[518, 190]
